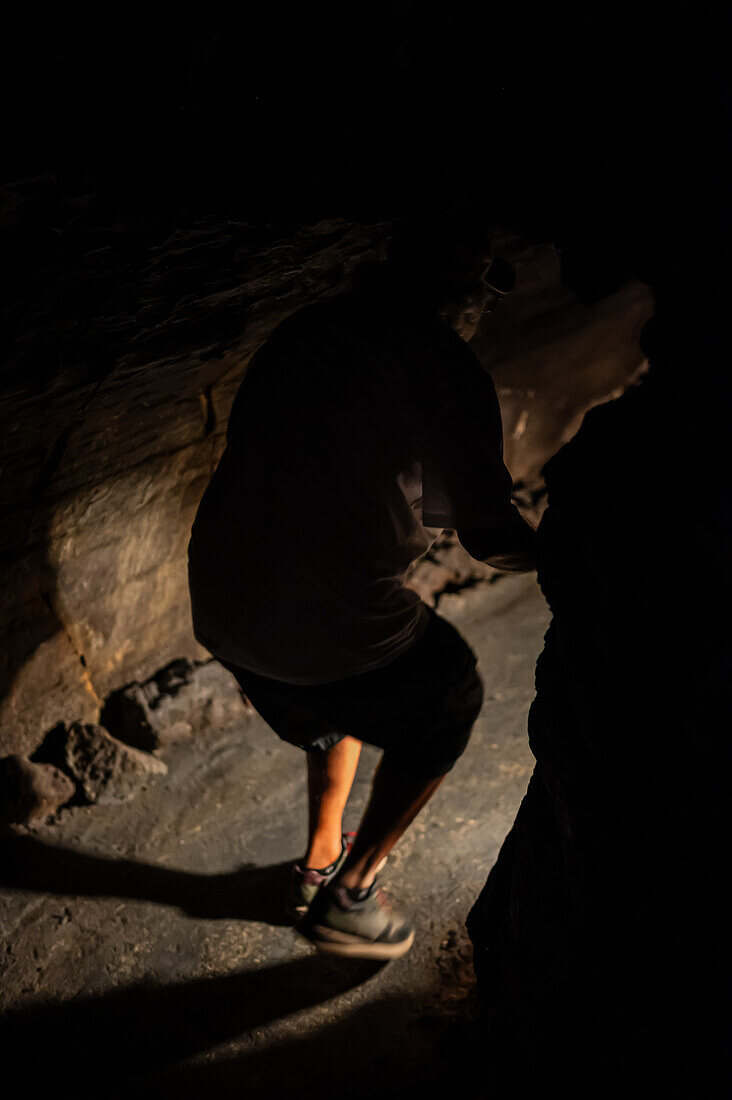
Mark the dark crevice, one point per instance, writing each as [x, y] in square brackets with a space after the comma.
[48, 602]
[207, 411]
[52, 750]
[52, 462]
[82, 659]
[454, 587]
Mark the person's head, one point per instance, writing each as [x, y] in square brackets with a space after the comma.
[444, 261]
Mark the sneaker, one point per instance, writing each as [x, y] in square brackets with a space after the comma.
[357, 923]
[306, 881]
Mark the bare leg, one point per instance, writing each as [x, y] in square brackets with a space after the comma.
[396, 799]
[330, 777]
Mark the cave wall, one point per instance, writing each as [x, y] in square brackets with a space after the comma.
[125, 355]
[552, 358]
[125, 360]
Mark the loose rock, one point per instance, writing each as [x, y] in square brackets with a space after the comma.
[106, 769]
[31, 792]
[182, 700]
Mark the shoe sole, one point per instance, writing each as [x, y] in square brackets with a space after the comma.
[330, 942]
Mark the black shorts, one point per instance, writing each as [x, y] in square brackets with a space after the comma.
[422, 705]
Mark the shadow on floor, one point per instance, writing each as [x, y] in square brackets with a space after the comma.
[162, 1040]
[250, 893]
[394, 1046]
[125, 1035]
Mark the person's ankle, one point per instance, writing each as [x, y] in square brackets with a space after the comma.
[355, 879]
[322, 854]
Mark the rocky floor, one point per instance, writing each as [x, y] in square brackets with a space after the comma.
[144, 946]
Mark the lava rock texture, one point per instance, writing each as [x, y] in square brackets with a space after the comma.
[179, 701]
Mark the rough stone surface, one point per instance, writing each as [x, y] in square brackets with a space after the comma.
[177, 702]
[31, 792]
[125, 350]
[552, 359]
[106, 769]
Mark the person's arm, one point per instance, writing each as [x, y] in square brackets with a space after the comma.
[510, 547]
[466, 485]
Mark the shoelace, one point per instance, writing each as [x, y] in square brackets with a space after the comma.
[383, 900]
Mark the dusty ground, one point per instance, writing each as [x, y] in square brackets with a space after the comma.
[144, 945]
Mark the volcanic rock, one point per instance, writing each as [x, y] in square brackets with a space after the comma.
[106, 769]
[182, 700]
[31, 792]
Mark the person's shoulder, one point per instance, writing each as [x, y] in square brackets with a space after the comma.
[453, 353]
[312, 315]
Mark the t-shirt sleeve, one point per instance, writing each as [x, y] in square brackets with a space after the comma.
[465, 483]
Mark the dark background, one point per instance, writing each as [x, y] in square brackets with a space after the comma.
[279, 117]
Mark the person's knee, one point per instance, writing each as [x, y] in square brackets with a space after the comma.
[455, 745]
[430, 757]
[453, 741]
[432, 748]
[440, 753]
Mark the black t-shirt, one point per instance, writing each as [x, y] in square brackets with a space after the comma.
[361, 429]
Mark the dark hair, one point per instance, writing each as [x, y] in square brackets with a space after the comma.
[433, 256]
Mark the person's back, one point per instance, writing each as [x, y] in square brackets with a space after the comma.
[361, 429]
